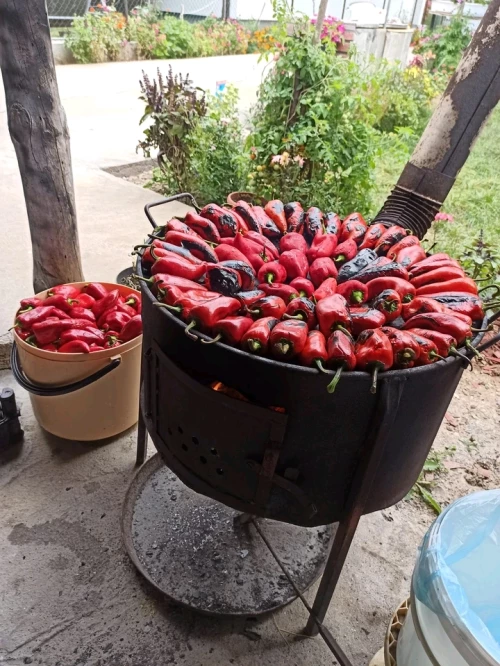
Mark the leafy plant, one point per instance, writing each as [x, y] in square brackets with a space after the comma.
[423, 486]
[482, 263]
[216, 37]
[443, 50]
[97, 36]
[177, 39]
[173, 109]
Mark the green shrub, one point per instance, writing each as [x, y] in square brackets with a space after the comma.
[443, 50]
[177, 39]
[97, 36]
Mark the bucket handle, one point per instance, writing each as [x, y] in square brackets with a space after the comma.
[51, 391]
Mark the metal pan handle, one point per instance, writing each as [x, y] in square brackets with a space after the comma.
[175, 197]
[51, 391]
[489, 343]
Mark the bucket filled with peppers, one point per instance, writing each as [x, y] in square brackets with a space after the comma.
[308, 288]
[77, 352]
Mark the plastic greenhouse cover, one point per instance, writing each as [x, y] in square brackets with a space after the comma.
[458, 569]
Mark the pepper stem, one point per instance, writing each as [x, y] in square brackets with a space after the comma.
[211, 342]
[297, 316]
[373, 387]
[481, 330]
[269, 278]
[320, 366]
[343, 329]
[175, 308]
[254, 345]
[188, 328]
[454, 352]
[283, 347]
[357, 296]
[139, 247]
[148, 280]
[333, 384]
[340, 257]
[491, 286]
[432, 354]
[472, 349]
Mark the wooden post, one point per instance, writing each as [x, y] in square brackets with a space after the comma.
[321, 17]
[39, 132]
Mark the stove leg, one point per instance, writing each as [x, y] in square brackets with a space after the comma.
[385, 413]
[142, 440]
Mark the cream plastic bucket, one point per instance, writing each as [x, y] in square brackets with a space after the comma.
[104, 386]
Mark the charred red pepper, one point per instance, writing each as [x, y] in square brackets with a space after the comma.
[272, 271]
[322, 269]
[176, 225]
[245, 210]
[404, 288]
[179, 267]
[420, 305]
[363, 259]
[302, 309]
[313, 222]
[66, 290]
[389, 303]
[372, 236]
[462, 284]
[74, 347]
[248, 298]
[444, 323]
[406, 349]
[328, 288]
[223, 219]
[256, 338]
[94, 289]
[244, 270]
[205, 315]
[459, 303]
[288, 339]
[295, 264]
[366, 318]
[276, 211]
[270, 251]
[163, 280]
[323, 245]
[428, 350]
[353, 228]
[230, 330]
[195, 245]
[345, 252]
[374, 353]
[293, 241]
[314, 351]
[438, 275]
[392, 236]
[304, 286]
[446, 344]
[387, 270]
[228, 253]
[332, 224]
[408, 241]
[203, 227]
[333, 313]
[353, 291]
[225, 280]
[341, 356]
[410, 255]
[284, 291]
[269, 306]
[132, 329]
[267, 225]
[242, 225]
[295, 216]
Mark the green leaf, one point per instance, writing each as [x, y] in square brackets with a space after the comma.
[430, 500]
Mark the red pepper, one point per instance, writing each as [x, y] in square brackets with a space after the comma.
[332, 224]
[132, 329]
[113, 319]
[431, 262]
[242, 225]
[275, 210]
[223, 279]
[66, 290]
[459, 303]
[356, 217]
[446, 344]
[314, 351]
[47, 331]
[301, 309]
[248, 298]
[323, 245]
[322, 269]
[374, 352]
[100, 306]
[295, 264]
[253, 252]
[228, 253]
[340, 352]
[284, 291]
[328, 288]
[354, 228]
[372, 272]
[366, 318]
[410, 255]
[389, 303]
[93, 347]
[444, 323]
[134, 301]
[26, 319]
[288, 338]
[332, 313]
[56, 312]
[82, 313]
[272, 271]
[392, 236]
[203, 227]
[74, 347]
[256, 338]
[269, 228]
[405, 348]
[463, 284]
[313, 222]
[195, 245]
[438, 275]
[176, 225]
[304, 287]
[178, 266]
[345, 252]
[293, 241]
[94, 289]
[404, 288]
[83, 301]
[58, 301]
[173, 294]
[428, 350]
[245, 210]
[30, 303]
[76, 323]
[163, 280]
[50, 347]
[353, 291]
[87, 335]
[121, 306]
[24, 335]
[372, 236]
[420, 305]
[265, 244]
[205, 315]
[295, 216]
[269, 306]
[408, 241]
[230, 330]
[184, 303]
[224, 220]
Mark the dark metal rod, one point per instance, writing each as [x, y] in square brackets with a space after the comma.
[386, 410]
[142, 440]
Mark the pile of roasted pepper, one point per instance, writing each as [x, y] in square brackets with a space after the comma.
[310, 288]
[72, 320]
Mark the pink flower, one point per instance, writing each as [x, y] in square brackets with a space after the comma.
[444, 217]
[276, 159]
[299, 160]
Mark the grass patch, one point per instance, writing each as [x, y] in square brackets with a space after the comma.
[474, 200]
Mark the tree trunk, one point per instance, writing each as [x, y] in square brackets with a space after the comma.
[39, 132]
[321, 17]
